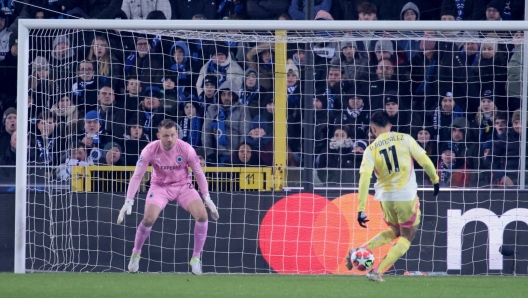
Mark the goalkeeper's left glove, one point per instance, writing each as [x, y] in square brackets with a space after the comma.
[436, 188]
[127, 208]
[212, 207]
[362, 219]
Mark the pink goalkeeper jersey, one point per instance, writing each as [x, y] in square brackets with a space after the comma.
[170, 167]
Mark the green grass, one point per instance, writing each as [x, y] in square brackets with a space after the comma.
[186, 285]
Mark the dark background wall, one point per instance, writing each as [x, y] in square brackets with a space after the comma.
[79, 230]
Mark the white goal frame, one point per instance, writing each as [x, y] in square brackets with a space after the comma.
[25, 25]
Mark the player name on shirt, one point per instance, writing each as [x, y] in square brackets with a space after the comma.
[387, 141]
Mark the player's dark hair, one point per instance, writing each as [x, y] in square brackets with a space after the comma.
[167, 124]
[380, 118]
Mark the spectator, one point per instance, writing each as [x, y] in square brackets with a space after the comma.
[8, 158]
[62, 61]
[485, 116]
[494, 10]
[133, 89]
[9, 121]
[294, 106]
[490, 74]
[379, 84]
[220, 64]
[180, 69]
[468, 10]
[135, 141]
[108, 69]
[425, 138]
[112, 116]
[84, 90]
[172, 96]
[367, 11]
[41, 84]
[208, 95]
[93, 136]
[112, 155]
[462, 139]
[333, 87]
[251, 94]
[266, 9]
[443, 116]
[4, 36]
[297, 8]
[384, 50]
[192, 123]
[144, 64]
[185, 9]
[260, 138]
[245, 156]
[483, 177]
[424, 76]
[323, 51]
[452, 168]
[48, 146]
[500, 125]
[156, 15]
[226, 125]
[515, 65]
[152, 112]
[77, 157]
[354, 66]
[66, 115]
[506, 154]
[139, 9]
[355, 116]
[336, 156]
[320, 105]
[8, 73]
[409, 12]
[260, 58]
[402, 121]
[455, 70]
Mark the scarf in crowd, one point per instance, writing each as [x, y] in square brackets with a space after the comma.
[354, 113]
[248, 94]
[338, 144]
[297, 62]
[182, 72]
[192, 130]
[45, 151]
[149, 118]
[78, 89]
[460, 9]
[218, 126]
[293, 98]
[457, 112]
[268, 65]
[213, 68]
[445, 173]
[130, 60]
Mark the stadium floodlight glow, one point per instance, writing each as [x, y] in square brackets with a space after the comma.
[64, 255]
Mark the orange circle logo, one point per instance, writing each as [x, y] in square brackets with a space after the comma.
[309, 234]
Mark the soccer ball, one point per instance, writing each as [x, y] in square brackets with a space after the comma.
[362, 259]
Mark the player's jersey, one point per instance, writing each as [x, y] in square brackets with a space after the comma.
[391, 157]
[170, 167]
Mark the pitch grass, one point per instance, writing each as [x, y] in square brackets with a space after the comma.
[270, 285]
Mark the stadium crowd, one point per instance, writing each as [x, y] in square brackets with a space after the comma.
[96, 97]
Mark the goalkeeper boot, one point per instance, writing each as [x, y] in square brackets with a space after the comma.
[196, 266]
[133, 265]
[373, 276]
[348, 259]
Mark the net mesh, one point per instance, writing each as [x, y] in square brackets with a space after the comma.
[96, 98]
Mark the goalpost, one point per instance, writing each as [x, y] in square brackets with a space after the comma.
[265, 229]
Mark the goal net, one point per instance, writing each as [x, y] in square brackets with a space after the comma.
[279, 120]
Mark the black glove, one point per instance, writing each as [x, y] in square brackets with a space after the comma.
[436, 189]
[362, 219]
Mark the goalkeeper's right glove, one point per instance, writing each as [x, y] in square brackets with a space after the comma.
[362, 219]
[127, 208]
[436, 188]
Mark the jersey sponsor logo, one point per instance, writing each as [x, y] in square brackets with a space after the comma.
[456, 221]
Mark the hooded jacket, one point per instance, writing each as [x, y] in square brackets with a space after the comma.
[139, 9]
[233, 72]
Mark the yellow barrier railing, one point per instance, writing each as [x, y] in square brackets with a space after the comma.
[220, 179]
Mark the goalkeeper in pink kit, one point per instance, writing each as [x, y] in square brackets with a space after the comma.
[170, 159]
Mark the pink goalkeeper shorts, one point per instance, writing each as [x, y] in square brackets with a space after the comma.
[162, 195]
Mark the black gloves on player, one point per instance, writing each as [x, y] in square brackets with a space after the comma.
[436, 189]
[362, 219]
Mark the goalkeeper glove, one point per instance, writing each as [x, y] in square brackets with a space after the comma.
[212, 207]
[436, 190]
[127, 208]
[362, 219]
